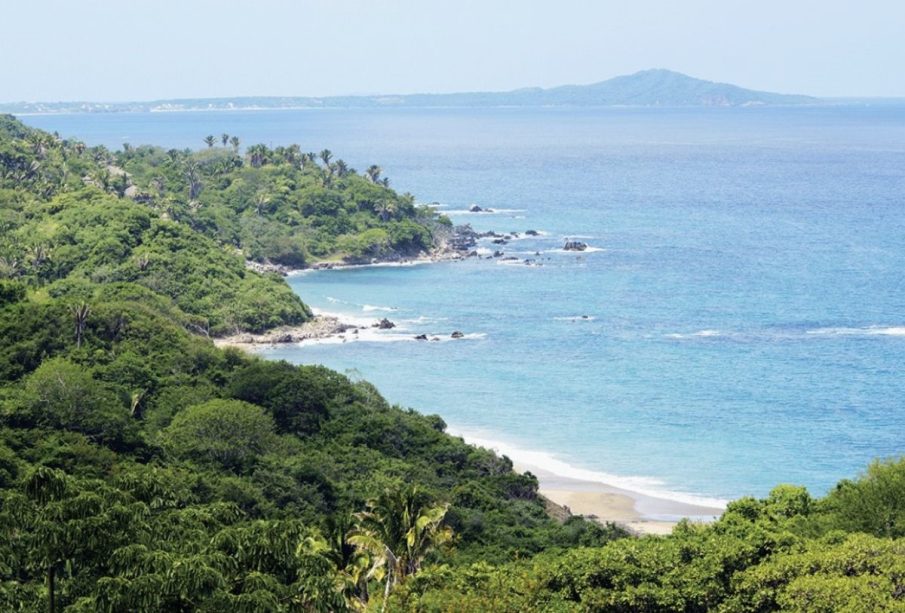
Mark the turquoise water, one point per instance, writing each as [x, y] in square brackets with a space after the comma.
[746, 307]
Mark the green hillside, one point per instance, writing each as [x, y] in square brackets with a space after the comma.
[144, 469]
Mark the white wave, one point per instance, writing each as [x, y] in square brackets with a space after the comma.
[490, 211]
[368, 308]
[644, 486]
[865, 331]
[587, 250]
[698, 334]
[423, 319]
[576, 318]
[522, 263]
[346, 318]
[375, 335]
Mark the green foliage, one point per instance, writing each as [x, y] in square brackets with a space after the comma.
[875, 503]
[229, 433]
[142, 469]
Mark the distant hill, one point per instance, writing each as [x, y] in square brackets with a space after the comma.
[648, 88]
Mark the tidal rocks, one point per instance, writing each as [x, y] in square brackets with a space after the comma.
[475, 209]
[384, 324]
[575, 246]
[499, 241]
[457, 334]
[497, 254]
[531, 232]
[421, 337]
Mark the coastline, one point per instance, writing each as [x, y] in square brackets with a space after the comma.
[630, 503]
[637, 509]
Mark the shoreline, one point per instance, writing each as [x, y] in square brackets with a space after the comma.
[335, 328]
[567, 490]
[591, 496]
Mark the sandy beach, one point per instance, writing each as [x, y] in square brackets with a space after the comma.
[583, 494]
[637, 512]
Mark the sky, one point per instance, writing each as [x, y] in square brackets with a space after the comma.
[121, 50]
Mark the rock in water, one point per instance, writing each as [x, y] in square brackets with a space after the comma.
[475, 209]
[575, 246]
[421, 337]
[384, 324]
[457, 334]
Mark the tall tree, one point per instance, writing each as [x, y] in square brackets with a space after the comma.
[398, 530]
[209, 140]
[80, 313]
[373, 173]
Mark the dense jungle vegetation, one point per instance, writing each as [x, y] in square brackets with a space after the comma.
[143, 469]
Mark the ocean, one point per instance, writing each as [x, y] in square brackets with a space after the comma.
[739, 321]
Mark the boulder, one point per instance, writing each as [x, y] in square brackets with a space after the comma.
[384, 324]
[575, 246]
[497, 254]
[457, 334]
[475, 209]
[499, 241]
[421, 337]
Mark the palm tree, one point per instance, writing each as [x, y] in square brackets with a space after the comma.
[342, 169]
[385, 208]
[80, 313]
[209, 140]
[234, 141]
[257, 155]
[373, 173]
[193, 176]
[9, 267]
[224, 138]
[262, 199]
[326, 155]
[398, 530]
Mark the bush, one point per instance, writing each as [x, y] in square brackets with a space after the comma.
[229, 433]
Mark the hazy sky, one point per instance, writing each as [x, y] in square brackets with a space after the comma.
[144, 49]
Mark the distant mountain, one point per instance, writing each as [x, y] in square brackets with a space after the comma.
[648, 88]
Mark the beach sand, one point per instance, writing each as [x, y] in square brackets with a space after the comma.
[638, 513]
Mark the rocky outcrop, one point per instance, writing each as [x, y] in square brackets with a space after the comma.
[267, 267]
[457, 334]
[384, 324]
[575, 246]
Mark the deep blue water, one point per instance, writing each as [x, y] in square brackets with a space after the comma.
[746, 309]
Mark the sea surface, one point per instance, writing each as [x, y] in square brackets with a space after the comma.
[739, 322]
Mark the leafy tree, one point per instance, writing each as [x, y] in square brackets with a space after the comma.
[230, 433]
[398, 530]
